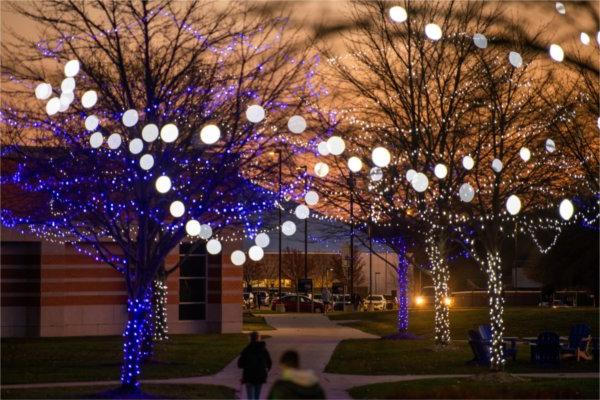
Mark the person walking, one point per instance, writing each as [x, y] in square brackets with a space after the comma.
[255, 362]
[295, 383]
[326, 297]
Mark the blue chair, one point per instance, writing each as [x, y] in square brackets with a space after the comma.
[509, 351]
[579, 342]
[481, 353]
[546, 349]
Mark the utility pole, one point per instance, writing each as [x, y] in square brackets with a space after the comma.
[351, 239]
[305, 227]
[280, 216]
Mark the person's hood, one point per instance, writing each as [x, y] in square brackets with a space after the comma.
[301, 377]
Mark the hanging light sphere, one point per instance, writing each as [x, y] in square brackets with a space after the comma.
[163, 184]
[255, 113]
[256, 253]
[65, 101]
[169, 133]
[53, 106]
[585, 38]
[192, 227]
[566, 209]
[322, 149]
[177, 209]
[381, 157]
[91, 122]
[150, 133]
[480, 40]
[556, 53]
[262, 240]
[146, 161]
[71, 68]
[468, 163]
[311, 198]
[210, 134]
[205, 231]
[376, 174]
[420, 182]
[213, 246]
[67, 85]
[43, 91]
[96, 140]
[89, 99]
[354, 164]
[336, 145]
[238, 258]
[466, 192]
[440, 171]
[321, 169]
[136, 146]
[410, 174]
[497, 165]
[433, 31]
[513, 205]
[525, 154]
[515, 59]
[560, 8]
[550, 146]
[296, 124]
[398, 14]
[114, 141]
[130, 118]
[288, 228]
[302, 211]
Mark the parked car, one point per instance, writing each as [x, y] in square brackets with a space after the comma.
[426, 298]
[298, 302]
[263, 297]
[391, 302]
[339, 300]
[248, 300]
[377, 301]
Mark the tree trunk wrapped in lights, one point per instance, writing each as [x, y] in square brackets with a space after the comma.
[493, 267]
[441, 275]
[135, 336]
[402, 270]
[160, 328]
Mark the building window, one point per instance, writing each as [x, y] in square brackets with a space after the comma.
[192, 281]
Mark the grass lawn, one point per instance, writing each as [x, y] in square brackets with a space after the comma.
[456, 388]
[421, 357]
[252, 322]
[29, 360]
[103, 392]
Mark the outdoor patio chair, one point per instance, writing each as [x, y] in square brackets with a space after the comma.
[546, 349]
[481, 355]
[510, 345]
[580, 338]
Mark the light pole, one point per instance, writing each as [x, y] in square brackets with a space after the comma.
[351, 272]
[279, 210]
[376, 273]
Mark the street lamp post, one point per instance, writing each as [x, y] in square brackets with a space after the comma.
[351, 266]
[280, 306]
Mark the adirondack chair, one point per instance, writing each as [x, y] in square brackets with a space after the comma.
[546, 350]
[510, 345]
[580, 338]
[481, 353]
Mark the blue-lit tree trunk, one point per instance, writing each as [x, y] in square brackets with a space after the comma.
[137, 331]
[402, 270]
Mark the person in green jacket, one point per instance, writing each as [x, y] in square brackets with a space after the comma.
[295, 383]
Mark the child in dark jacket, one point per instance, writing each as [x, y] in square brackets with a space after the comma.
[295, 383]
[255, 362]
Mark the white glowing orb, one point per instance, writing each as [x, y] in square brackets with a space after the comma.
[146, 161]
[150, 133]
[420, 182]
[96, 140]
[302, 211]
[53, 106]
[322, 149]
[67, 85]
[296, 124]
[376, 174]
[256, 253]
[466, 192]
[205, 231]
[213, 246]
[321, 169]
[114, 141]
[550, 146]
[381, 157]
[525, 154]
[433, 31]
[354, 164]
[130, 118]
[238, 258]
[513, 205]
[163, 184]
[255, 113]
[136, 146]
[71, 68]
[89, 99]
[497, 165]
[43, 91]
[177, 209]
[566, 209]
[311, 198]
[398, 14]
[192, 227]
[480, 40]
[410, 174]
[556, 53]
[560, 8]
[210, 134]
[262, 240]
[336, 145]
[598, 37]
[65, 101]
[91, 122]
[515, 59]
[585, 38]
[440, 171]
[169, 133]
[288, 228]
[468, 163]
